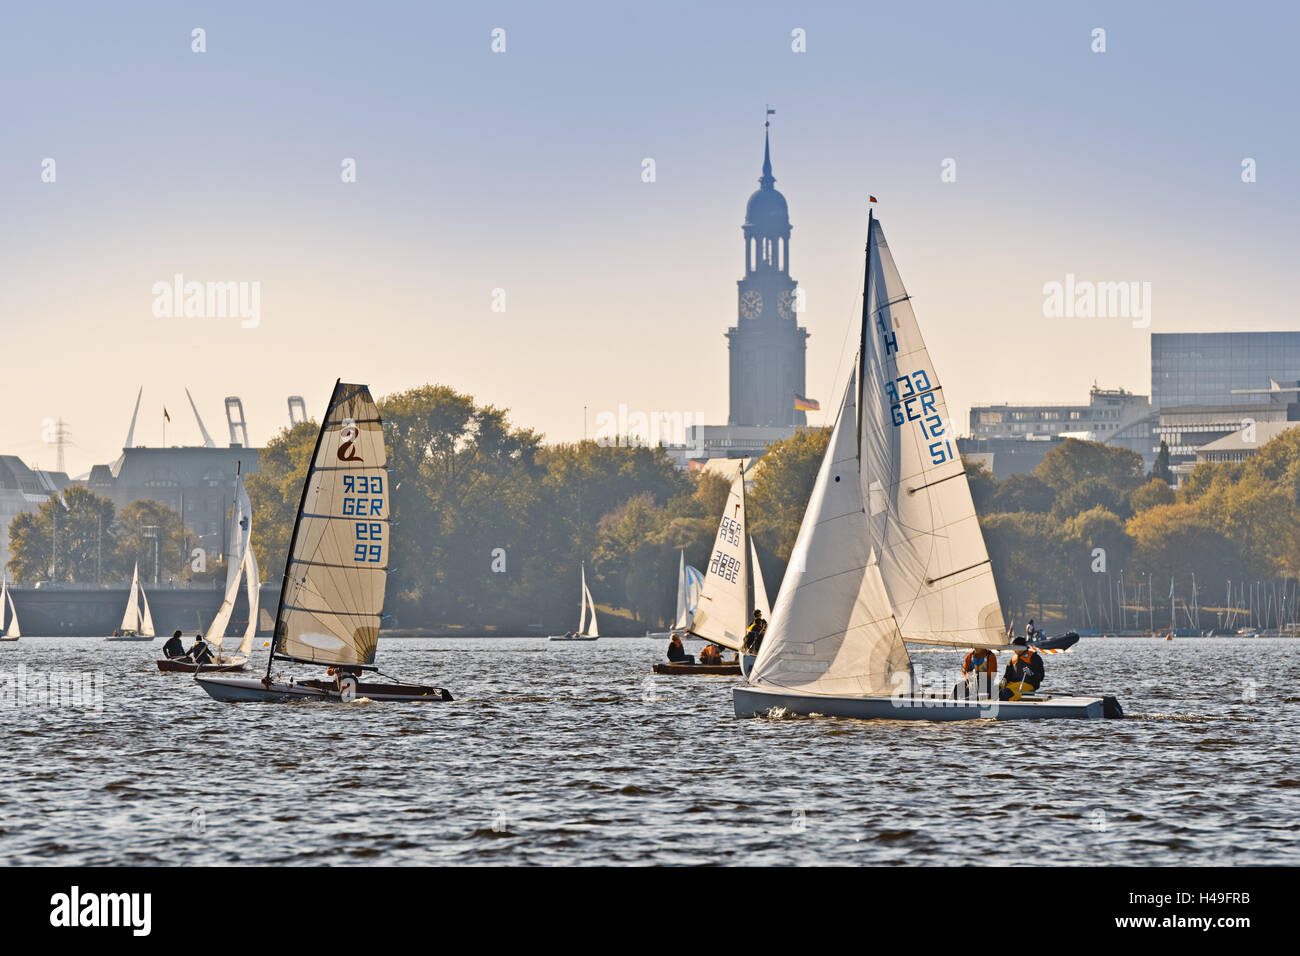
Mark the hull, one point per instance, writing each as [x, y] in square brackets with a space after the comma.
[755, 702]
[714, 670]
[130, 637]
[1062, 643]
[189, 667]
[7, 640]
[241, 689]
[560, 638]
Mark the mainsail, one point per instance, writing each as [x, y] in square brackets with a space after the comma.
[131, 617]
[924, 530]
[587, 602]
[254, 601]
[832, 631]
[723, 613]
[241, 525]
[756, 575]
[7, 606]
[337, 569]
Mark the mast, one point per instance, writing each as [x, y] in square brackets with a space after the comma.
[865, 324]
[293, 538]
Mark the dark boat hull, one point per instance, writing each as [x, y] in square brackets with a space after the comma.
[713, 670]
[242, 689]
[189, 667]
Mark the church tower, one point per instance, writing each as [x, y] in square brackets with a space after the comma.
[767, 346]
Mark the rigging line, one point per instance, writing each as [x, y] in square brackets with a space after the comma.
[839, 362]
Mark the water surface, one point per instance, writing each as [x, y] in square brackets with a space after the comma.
[577, 754]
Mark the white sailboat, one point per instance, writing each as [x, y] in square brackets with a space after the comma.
[335, 576]
[9, 630]
[890, 549]
[588, 630]
[724, 610]
[689, 582]
[137, 620]
[241, 567]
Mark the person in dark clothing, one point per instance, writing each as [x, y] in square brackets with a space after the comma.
[200, 652]
[754, 633]
[677, 653]
[174, 648]
[1024, 674]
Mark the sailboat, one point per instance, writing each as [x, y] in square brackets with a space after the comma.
[335, 575]
[8, 614]
[137, 621]
[241, 566]
[890, 548]
[723, 613]
[587, 630]
[689, 582]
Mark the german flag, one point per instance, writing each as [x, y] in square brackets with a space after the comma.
[802, 404]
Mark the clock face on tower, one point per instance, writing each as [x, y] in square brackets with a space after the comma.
[751, 304]
[785, 304]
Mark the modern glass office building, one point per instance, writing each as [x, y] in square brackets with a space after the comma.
[1204, 368]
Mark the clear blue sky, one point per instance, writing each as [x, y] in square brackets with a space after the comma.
[521, 171]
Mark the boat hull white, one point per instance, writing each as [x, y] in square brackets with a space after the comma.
[131, 637]
[757, 701]
[240, 689]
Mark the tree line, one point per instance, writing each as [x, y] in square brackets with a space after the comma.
[490, 523]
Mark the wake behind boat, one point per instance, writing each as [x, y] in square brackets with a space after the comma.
[890, 549]
[587, 630]
[335, 576]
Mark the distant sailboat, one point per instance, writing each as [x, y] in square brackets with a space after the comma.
[241, 566]
[890, 549]
[689, 582]
[8, 614]
[587, 630]
[335, 576]
[137, 621]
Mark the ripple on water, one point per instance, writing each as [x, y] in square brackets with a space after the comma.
[541, 762]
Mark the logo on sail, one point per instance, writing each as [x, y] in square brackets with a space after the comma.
[347, 437]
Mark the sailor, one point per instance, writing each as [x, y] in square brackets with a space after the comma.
[710, 654]
[1030, 631]
[200, 652]
[754, 633]
[980, 661]
[1024, 674]
[677, 653]
[174, 647]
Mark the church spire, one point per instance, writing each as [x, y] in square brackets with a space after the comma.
[767, 180]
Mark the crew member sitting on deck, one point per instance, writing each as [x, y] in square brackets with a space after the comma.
[754, 633]
[200, 652]
[982, 663]
[174, 647]
[710, 654]
[676, 653]
[1024, 674]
